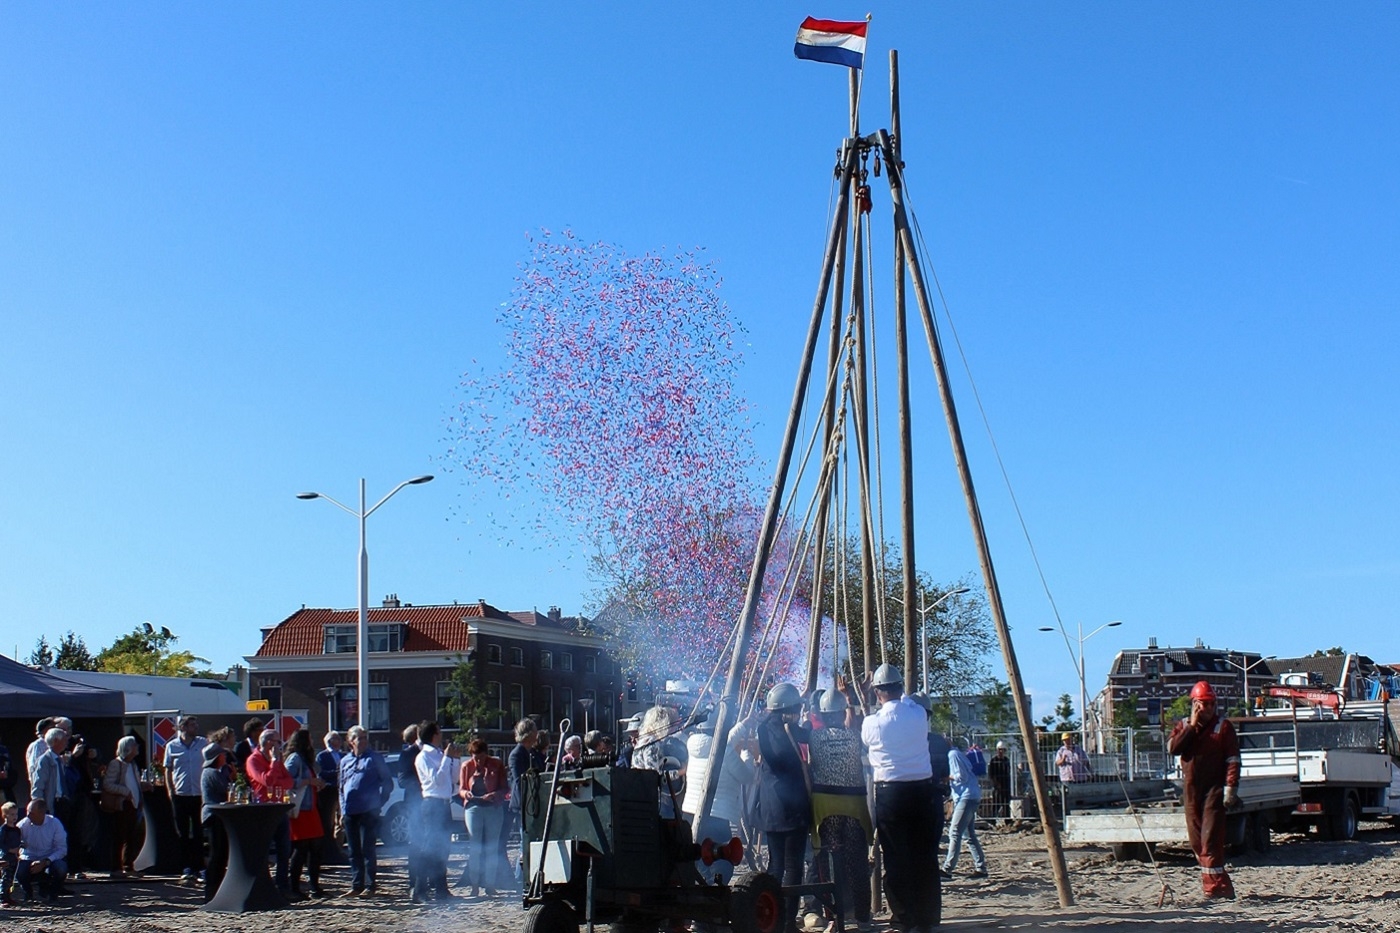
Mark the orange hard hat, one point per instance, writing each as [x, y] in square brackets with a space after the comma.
[1202, 691]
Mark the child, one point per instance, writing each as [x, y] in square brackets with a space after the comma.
[9, 849]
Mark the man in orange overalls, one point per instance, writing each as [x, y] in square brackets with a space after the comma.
[1210, 760]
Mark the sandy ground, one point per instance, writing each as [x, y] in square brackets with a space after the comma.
[1301, 884]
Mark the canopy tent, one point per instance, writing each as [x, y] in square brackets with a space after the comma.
[29, 694]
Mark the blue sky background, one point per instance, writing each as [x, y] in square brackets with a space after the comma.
[248, 250]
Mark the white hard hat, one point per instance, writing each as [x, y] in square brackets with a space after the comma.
[887, 675]
[1001, 745]
[833, 702]
[783, 696]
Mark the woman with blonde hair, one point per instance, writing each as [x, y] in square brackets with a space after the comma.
[128, 822]
[660, 749]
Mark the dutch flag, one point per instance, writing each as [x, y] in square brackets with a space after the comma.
[825, 40]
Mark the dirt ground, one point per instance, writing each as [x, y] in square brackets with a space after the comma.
[1301, 884]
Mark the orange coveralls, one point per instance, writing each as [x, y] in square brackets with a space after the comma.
[1210, 760]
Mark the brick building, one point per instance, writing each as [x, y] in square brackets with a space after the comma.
[1160, 675]
[526, 664]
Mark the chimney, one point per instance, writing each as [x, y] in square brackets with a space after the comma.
[555, 614]
[1152, 642]
[391, 601]
[1200, 643]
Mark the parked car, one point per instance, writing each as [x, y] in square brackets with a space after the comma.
[395, 828]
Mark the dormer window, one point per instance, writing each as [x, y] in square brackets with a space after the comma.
[384, 636]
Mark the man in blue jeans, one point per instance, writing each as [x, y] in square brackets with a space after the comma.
[967, 794]
[365, 786]
[43, 852]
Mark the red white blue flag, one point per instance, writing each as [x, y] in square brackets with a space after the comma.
[825, 40]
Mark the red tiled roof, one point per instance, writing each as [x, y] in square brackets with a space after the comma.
[430, 628]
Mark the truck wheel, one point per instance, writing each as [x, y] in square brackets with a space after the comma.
[1132, 852]
[1345, 819]
[551, 917]
[756, 905]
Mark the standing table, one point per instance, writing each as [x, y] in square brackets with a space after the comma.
[247, 884]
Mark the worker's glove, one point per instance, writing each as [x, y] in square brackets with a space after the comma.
[1232, 797]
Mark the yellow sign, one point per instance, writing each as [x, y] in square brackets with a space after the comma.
[258, 705]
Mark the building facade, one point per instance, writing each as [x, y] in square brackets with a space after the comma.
[1157, 676]
[546, 667]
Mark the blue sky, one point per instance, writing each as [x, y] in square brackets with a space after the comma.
[249, 250]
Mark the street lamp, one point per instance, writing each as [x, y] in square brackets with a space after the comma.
[1245, 669]
[587, 704]
[329, 693]
[362, 632]
[1083, 698]
[923, 623]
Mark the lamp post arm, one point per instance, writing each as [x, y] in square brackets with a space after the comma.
[389, 496]
[339, 505]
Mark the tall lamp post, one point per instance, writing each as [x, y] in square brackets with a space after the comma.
[1079, 661]
[923, 623]
[362, 631]
[587, 704]
[1245, 669]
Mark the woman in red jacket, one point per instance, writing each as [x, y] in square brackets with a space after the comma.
[483, 790]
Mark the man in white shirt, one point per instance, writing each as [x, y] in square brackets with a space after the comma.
[896, 737]
[437, 776]
[184, 766]
[43, 852]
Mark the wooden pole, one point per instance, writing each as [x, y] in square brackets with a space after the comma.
[979, 532]
[729, 702]
[906, 451]
[824, 507]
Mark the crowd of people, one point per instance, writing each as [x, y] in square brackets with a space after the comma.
[810, 776]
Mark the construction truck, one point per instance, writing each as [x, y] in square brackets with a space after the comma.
[1318, 763]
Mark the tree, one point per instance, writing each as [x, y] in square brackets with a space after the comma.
[42, 655]
[997, 708]
[1333, 652]
[466, 702]
[1125, 713]
[1176, 710]
[1063, 718]
[147, 650]
[73, 654]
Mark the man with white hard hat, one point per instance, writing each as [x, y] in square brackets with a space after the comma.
[999, 773]
[895, 736]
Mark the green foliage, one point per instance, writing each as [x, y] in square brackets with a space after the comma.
[1125, 713]
[1063, 720]
[143, 652]
[1333, 652]
[73, 654]
[998, 709]
[945, 718]
[1176, 710]
[42, 655]
[466, 706]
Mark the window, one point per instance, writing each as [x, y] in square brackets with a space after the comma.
[517, 702]
[590, 664]
[493, 703]
[566, 703]
[546, 660]
[605, 715]
[348, 709]
[566, 661]
[273, 696]
[443, 692]
[1154, 712]
[493, 654]
[386, 637]
[547, 703]
[517, 657]
[341, 639]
